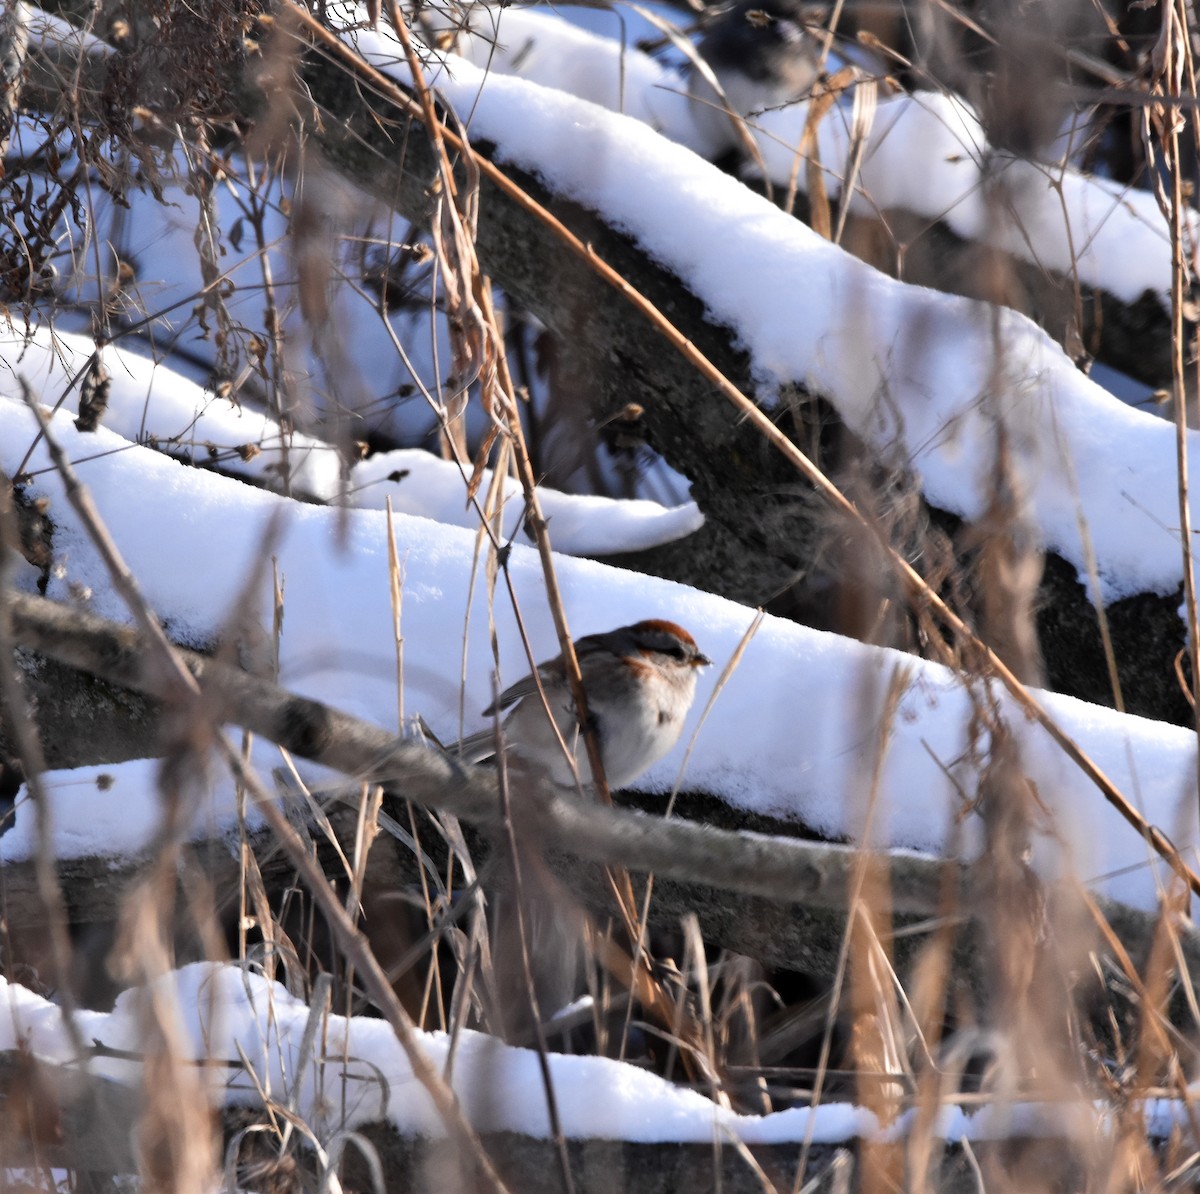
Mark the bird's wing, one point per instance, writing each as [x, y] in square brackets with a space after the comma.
[514, 693]
[477, 747]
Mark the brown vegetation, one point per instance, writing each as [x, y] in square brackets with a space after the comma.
[768, 972]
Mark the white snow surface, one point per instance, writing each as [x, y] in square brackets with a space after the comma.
[794, 733]
[346, 370]
[150, 402]
[555, 52]
[907, 370]
[926, 378]
[925, 152]
[1044, 213]
[46, 29]
[354, 374]
[219, 1008]
[359, 1073]
[109, 811]
[579, 524]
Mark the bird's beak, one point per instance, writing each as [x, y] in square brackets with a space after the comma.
[701, 661]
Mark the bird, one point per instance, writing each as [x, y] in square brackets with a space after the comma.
[763, 57]
[640, 681]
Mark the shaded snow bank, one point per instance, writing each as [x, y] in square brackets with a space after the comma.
[359, 1074]
[361, 1067]
[152, 403]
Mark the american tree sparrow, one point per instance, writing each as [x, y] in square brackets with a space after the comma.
[640, 681]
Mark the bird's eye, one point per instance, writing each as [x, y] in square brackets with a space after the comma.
[675, 652]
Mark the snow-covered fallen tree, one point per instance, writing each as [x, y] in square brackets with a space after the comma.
[922, 173]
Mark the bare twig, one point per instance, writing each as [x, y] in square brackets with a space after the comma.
[14, 45]
[1176, 51]
[15, 712]
[178, 680]
[787, 870]
[523, 942]
[359, 954]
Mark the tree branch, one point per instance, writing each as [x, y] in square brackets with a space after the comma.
[791, 895]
